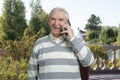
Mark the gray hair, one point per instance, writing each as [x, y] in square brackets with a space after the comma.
[59, 9]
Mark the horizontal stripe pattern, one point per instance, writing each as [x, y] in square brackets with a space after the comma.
[48, 62]
[59, 68]
[60, 75]
[58, 55]
[83, 53]
[56, 61]
[60, 79]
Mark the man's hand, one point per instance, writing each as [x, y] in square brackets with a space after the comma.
[68, 30]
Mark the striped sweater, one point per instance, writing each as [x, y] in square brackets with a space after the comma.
[58, 61]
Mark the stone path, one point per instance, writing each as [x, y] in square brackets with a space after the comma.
[105, 77]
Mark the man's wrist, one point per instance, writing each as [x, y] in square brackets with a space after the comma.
[72, 38]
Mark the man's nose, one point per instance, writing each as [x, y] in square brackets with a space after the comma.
[56, 22]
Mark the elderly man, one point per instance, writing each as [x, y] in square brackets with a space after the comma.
[58, 55]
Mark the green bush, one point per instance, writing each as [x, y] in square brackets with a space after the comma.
[118, 63]
[13, 70]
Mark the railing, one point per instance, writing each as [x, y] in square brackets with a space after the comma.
[102, 66]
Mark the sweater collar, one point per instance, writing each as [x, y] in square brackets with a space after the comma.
[56, 40]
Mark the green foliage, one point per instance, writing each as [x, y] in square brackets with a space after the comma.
[44, 21]
[93, 23]
[34, 23]
[13, 65]
[13, 70]
[101, 34]
[98, 51]
[108, 34]
[93, 28]
[36, 8]
[118, 62]
[92, 36]
[118, 37]
[38, 22]
[13, 22]
[38, 18]
[21, 49]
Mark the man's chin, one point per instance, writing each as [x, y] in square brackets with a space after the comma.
[57, 34]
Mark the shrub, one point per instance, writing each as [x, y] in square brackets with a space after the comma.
[13, 70]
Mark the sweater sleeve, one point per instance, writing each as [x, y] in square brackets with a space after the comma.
[83, 53]
[32, 67]
[33, 62]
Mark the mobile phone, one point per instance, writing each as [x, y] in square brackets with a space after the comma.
[68, 21]
[65, 35]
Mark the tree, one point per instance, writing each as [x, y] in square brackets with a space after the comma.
[118, 37]
[34, 23]
[108, 35]
[38, 18]
[20, 49]
[93, 27]
[93, 23]
[44, 22]
[1, 29]
[14, 22]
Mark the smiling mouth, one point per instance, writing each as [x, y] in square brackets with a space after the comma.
[57, 28]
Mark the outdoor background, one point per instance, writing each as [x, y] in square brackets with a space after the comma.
[22, 22]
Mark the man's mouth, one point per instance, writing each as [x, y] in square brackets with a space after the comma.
[57, 28]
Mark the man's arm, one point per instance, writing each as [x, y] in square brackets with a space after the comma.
[33, 67]
[83, 53]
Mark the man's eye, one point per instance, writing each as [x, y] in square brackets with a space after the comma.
[52, 19]
[61, 19]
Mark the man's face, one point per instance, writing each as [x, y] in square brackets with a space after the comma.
[56, 21]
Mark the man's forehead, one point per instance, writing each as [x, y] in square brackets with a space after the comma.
[59, 14]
